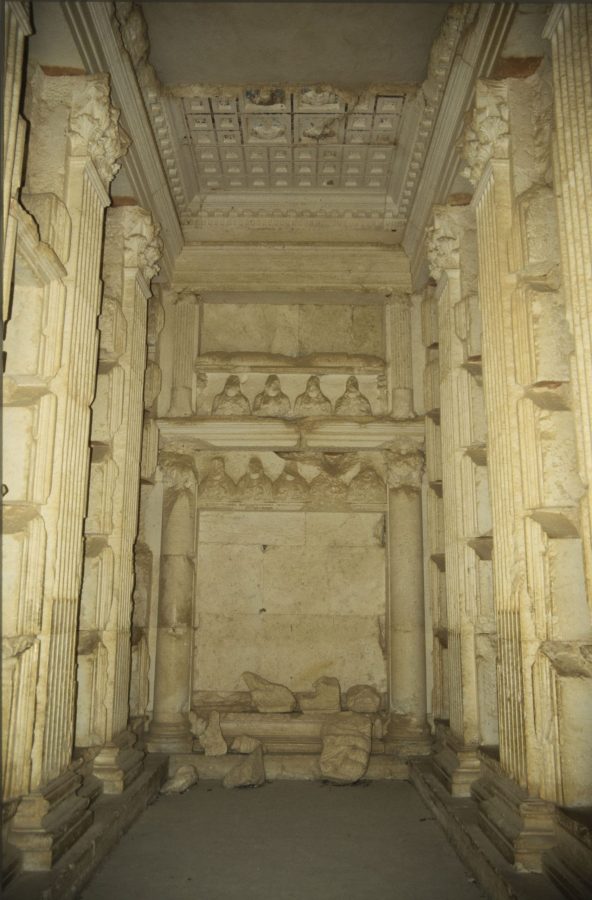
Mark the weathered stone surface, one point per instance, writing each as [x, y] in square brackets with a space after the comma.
[211, 739]
[250, 772]
[184, 778]
[197, 724]
[326, 696]
[363, 698]
[346, 747]
[244, 743]
[267, 696]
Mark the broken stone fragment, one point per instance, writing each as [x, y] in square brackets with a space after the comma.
[181, 781]
[326, 696]
[267, 696]
[197, 724]
[347, 739]
[244, 743]
[212, 739]
[362, 698]
[250, 772]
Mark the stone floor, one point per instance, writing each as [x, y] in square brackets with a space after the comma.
[286, 841]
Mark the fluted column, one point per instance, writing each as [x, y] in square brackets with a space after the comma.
[72, 159]
[131, 250]
[570, 31]
[407, 730]
[398, 332]
[185, 306]
[169, 729]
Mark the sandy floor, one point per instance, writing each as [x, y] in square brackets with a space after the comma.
[285, 841]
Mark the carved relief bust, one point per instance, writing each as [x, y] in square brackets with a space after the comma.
[217, 485]
[255, 485]
[272, 401]
[352, 402]
[312, 402]
[290, 485]
[366, 487]
[231, 401]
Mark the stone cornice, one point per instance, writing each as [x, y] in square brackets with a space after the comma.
[474, 59]
[266, 434]
[96, 34]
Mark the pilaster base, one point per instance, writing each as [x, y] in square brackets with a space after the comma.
[521, 827]
[569, 863]
[49, 821]
[113, 816]
[456, 765]
[118, 763]
[164, 737]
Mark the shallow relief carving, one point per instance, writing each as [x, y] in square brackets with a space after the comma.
[293, 480]
[291, 395]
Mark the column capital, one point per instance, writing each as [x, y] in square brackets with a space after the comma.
[142, 247]
[94, 128]
[404, 464]
[177, 471]
[487, 131]
[183, 296]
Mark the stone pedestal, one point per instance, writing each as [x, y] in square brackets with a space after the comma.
[118, 763]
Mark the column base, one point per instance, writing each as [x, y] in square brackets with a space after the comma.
[406, 738]
[169, 737]
[456, 765]
[118, 763]
[48, 821]
[569, 863]
[521, 827]
[11, 860]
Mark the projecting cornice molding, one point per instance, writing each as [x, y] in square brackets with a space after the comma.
[97, 36]
[475, 56]
[188, 434]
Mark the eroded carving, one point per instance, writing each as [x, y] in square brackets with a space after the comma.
[255, 485]
[352, 402]
[442, 243]
[487, 130]
[405, 466]
[250, 772]
[231, 401]
[217, 485]
[366, 487]
[290, 485]
[268, 696]
[272, 401]
[184, 778]
[326, 696]
[346, 747]
[212, 739]
[362, 698]
[312, 402]
[94, 126]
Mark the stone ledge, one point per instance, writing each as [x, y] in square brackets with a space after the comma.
[113, 815]
[459, 818]
[286, 766]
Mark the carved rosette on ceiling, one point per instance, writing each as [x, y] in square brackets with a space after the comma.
[487, 130]
[94, 126]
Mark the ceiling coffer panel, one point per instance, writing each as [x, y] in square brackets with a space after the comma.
[307, 137]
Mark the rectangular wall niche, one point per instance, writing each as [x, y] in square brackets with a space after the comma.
[292, 596]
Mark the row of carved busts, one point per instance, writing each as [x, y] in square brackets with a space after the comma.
[255, 486]
[272, 401]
